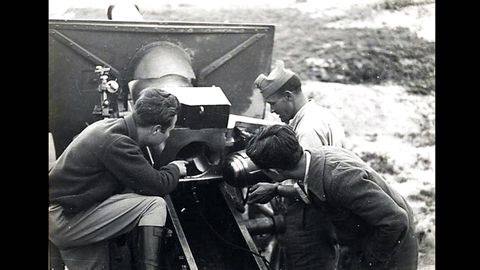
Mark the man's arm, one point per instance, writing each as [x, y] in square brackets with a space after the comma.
[264, 192]
[367, 200]
[125, 160]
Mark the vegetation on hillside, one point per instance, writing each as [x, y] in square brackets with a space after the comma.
[315, 52]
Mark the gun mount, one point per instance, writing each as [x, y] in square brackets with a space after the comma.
[210, 67]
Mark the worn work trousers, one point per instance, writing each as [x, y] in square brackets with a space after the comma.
[82, 238]
[309, 238]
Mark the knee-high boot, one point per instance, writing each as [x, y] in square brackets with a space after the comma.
[149, 246]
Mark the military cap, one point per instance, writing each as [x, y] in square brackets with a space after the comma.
[277, 78]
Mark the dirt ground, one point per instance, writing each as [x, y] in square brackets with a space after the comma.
[392, 131]
[372, 62]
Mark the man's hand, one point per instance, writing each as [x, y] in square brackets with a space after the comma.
[274, 175]
[181, 166]
[262, 192]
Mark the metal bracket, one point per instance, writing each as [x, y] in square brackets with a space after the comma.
[180, 234]
[231, 54]
[83, 52]
[241, 226]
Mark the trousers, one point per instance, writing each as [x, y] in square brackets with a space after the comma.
[82, 238]
[309, 238]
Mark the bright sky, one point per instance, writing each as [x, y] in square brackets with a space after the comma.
[58, 7]
[63, 4]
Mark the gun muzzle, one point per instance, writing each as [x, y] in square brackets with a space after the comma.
[240, 171]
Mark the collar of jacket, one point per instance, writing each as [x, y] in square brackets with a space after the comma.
[131, 127]
[316, 172]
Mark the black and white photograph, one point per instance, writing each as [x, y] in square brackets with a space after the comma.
[241, 135]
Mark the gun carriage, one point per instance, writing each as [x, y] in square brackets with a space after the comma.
[97, 69]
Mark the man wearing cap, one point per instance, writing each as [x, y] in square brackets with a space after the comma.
[309, 239]
[313, 124]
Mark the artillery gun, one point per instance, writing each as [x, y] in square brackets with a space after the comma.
[210, 67]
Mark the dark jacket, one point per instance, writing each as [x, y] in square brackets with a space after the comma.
[369, 216]
[103, 160]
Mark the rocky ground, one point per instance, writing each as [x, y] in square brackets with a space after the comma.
[372, 62]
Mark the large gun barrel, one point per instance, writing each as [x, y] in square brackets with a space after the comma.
[240, 171]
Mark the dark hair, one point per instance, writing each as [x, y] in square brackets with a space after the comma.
[155, 106]
[275, 147]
